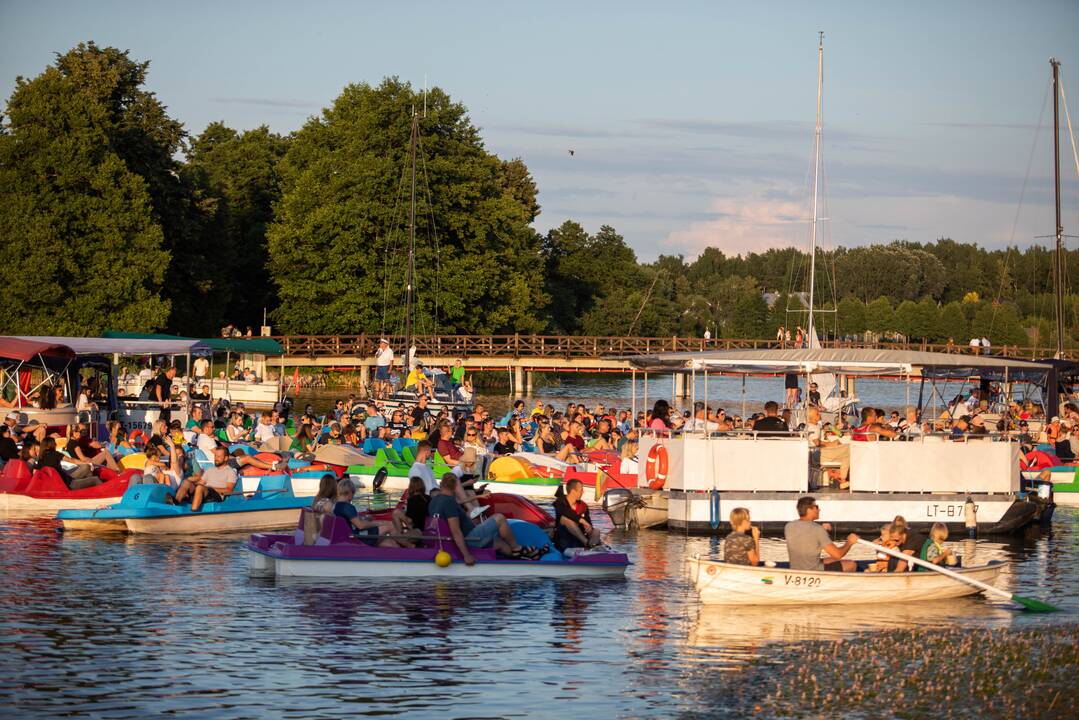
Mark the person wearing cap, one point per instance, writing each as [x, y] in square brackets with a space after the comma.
[466, 472]
[383, 363]
[11, 420]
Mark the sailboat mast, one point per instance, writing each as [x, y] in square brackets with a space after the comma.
[816, 181]
[1058, 271]
[411, 246]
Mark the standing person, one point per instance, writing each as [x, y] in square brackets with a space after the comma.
[201, 368]
[161, 392]
[457, 373]
[383, 363]
[781, 336]
[707, 334]
[794, 391]
[975, 345]
[806, 538]
[661, 413]
[985, 346]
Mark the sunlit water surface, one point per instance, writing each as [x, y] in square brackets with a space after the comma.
[127, 628]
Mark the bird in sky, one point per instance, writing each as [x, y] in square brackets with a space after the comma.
[571, 152]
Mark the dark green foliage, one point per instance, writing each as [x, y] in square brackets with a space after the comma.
[82, 248]
[338, 243]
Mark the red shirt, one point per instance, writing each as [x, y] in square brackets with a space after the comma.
[448, 449]
[576, 442]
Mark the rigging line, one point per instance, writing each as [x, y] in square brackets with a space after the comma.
[1019, 207]
[640, 310]
[434, 227]
[390, 248]
[1068, 119]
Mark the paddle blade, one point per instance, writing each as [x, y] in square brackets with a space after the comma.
[1035, 605]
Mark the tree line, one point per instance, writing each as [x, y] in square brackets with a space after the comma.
[114, 217]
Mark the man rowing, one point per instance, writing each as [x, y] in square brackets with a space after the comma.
[806, 539]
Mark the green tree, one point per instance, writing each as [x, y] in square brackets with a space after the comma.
[879, 316]
[926, 319]
[906, 319]
[750, 315]
[952, 324]
[236, 176]
[83, 250]
[338, 243]
[851, 316]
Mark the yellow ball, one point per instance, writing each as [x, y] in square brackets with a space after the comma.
[443, 559]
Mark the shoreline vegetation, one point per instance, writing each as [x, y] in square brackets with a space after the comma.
[131, 221]
[945, 672]
[317, 377]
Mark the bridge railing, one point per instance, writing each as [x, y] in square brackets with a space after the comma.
[579, 346]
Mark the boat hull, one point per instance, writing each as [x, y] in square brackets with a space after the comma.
[641, 508]
[24, 503]
[720, 583]
[214, 523]
[424, 569]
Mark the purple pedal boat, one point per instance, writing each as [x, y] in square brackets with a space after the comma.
[328, 549]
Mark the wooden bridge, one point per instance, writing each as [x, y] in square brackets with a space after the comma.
[522, 355]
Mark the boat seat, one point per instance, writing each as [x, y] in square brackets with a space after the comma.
[439, 527]
[408, 453]
[399, 444]
[280, 482]
[335, 530]
[371, 446]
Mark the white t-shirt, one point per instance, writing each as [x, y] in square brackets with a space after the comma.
[263, 432]
[425, 473]
[202, 367]
[975, 342]
[207, 444]
[384, 358]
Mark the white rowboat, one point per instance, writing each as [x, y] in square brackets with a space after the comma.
[720, 583]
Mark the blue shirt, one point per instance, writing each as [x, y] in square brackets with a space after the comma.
[373, 423]
[446, 507]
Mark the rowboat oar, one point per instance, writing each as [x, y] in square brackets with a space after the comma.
[1029, 603]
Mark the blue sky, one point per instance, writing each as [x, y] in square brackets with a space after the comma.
[691, 122]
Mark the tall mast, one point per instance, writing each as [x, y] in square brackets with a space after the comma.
[816, 181]
[411, 245]
[1058, 269]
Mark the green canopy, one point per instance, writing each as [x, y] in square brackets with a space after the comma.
[253, 346]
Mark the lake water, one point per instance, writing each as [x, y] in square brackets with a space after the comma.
[128, 628]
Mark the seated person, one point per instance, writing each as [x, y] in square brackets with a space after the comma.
[412, 520]
[771, 422]
[447, 448]
[418, 382]
[505, 444]
[420, 469]
[806, 538]
[889, 538]
[211, 484]
[84, 450]
[573, 528]
[235, 430]
[82, 476]
[743, 545]
[165, 471]
[369, 531]
[264, 430]
[933, 549]
[326, 497]
[492, 531]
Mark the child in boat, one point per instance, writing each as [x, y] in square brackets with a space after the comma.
[367, 530]
[743, 545]
[889, 539]
[934, 551]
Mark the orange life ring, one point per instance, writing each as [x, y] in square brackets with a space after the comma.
[656, 467]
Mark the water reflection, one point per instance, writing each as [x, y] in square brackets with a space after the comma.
[125, 627]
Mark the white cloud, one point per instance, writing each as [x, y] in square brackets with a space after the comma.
[743, 226]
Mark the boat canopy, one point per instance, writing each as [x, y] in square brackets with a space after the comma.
[126, 346]
[244, 346]
[846, 361]
[24, 349]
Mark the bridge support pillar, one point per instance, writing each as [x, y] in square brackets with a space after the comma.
[365, 375]
[518, 380]
[681, 385]
[528, 383]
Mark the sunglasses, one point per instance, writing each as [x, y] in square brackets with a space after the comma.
[471, 434]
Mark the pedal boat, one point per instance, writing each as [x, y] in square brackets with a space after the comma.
[334, 552]
[720, 583]
[43, 491]
[144, 509]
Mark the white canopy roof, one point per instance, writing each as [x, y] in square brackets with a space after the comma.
[848, 361]
[125, 346]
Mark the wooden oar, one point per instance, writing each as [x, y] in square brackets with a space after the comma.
[1029, 603]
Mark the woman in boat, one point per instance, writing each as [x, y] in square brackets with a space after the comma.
[743, 545]
[933, 549]
[516, 431]
[573, 528]
[547, 441]
[413, 518]
[80, 477]
[326, 497]
[235, 430]
[303, 445]
[628, 464]
[472, 440]
[660, 419]
[117, 444]
[168, 471]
